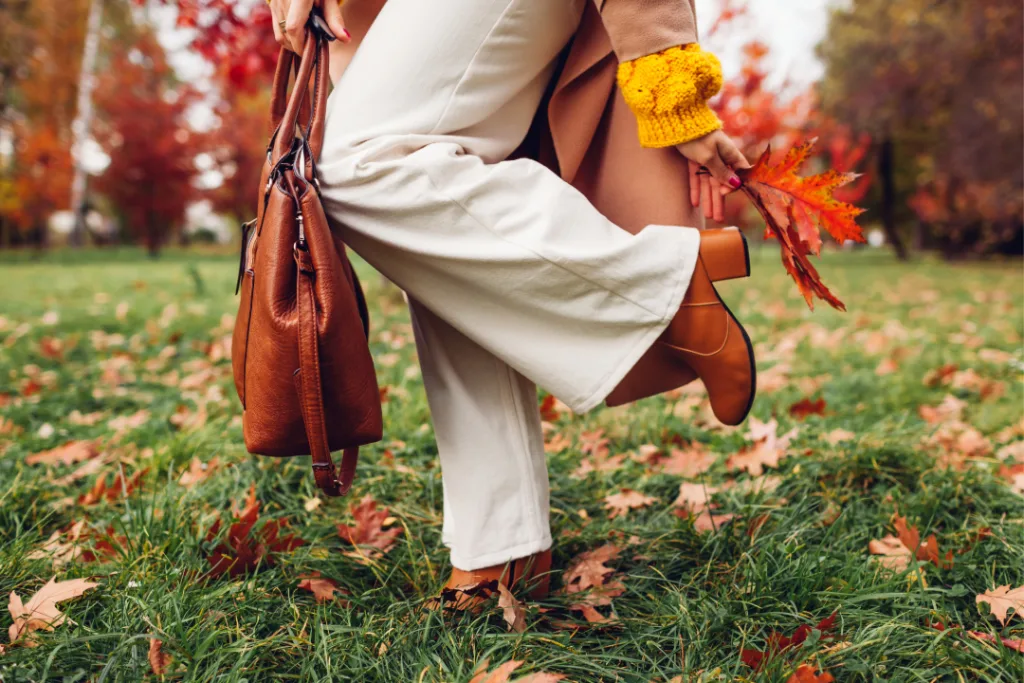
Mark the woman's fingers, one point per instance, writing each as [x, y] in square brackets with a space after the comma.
[694, 183]
[335, 20]
[295, 23]
[276, 12]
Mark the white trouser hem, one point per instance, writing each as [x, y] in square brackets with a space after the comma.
[688, 248]
[501, 556]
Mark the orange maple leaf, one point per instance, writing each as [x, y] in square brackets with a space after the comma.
[795, 208]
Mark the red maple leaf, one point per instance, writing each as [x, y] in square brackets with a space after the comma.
[777, 642]
[244, 550]
[795, 208]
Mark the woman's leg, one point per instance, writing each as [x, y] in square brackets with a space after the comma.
[491, 447]
[505, 252]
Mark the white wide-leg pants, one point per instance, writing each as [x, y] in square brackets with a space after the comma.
[514, 278]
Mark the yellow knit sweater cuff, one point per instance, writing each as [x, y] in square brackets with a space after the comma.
[669, 90]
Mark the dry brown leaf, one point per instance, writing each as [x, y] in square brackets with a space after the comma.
[837, 436]
[1009, 643]
[755, 458]
[159, 660]
[557, 443]
[694, 497]
[1000, 600]
[887, 366]
[891, 551]
[502, 673]
[368, 530]
[322, 589]
[805, 407]
[40, 613]
[618, 504]
[243, 550]
[120, 487]
[1014, 474]
[198, 471]
[689, 462]
[512, 610]
[951, 408]
[69, 453]
[708, 520]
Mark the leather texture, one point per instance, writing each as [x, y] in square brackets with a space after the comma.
[533, 572]
[300, 357]
[706, 335]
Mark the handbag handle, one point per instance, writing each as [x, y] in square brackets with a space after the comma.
[313, 61]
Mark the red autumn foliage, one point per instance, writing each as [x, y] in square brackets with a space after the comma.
[245, 550]
[806, 407]
[795, 208]
[778, 643]
[144, 130]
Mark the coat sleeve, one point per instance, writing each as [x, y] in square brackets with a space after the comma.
[664, 75]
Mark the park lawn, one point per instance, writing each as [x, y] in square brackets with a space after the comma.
[130, 352]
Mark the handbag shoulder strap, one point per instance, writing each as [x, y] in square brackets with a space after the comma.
[307, 383]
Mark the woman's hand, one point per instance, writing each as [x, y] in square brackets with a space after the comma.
[290, 18]
[714, 159]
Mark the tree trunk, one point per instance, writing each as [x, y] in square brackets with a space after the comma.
[83, 121]
[886, 169]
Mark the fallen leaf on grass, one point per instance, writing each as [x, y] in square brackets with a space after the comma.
[322, 589]
[368, 532]
[805, 673]
[755, 458]
[1014, 474]
[68, 454]
[512, 610]
[120, 487]
[955, 442]
[244, 551]
[197, 471]
[837, 436]
[159, 660]
[1015, 645]
[689, 462]
[41, 613]
[896, 552]
[618, 504]
[586, 579]
[951, 408]
[502, 673]
[778, 643]
[1002, 599]
[806, 407]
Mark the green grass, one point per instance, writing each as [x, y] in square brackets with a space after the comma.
[692, 601]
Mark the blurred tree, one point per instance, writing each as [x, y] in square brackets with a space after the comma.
[237, 36]
[940, 85]
[143, 127]
[40, 55]
[236, 146]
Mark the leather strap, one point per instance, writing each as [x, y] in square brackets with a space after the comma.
[307, 383]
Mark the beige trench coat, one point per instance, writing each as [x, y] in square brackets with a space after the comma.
[585, 132]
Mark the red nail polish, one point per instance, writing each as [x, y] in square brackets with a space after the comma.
[735, 182]
[348, 36]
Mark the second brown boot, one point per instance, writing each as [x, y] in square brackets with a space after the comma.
[707, 337]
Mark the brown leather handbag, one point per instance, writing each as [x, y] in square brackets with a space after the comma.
[299, 351]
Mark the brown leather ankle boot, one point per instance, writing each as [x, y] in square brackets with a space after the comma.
[467, 589]
[706, 335]
[723, 252]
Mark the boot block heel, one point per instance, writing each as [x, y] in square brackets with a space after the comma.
[725, 254]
